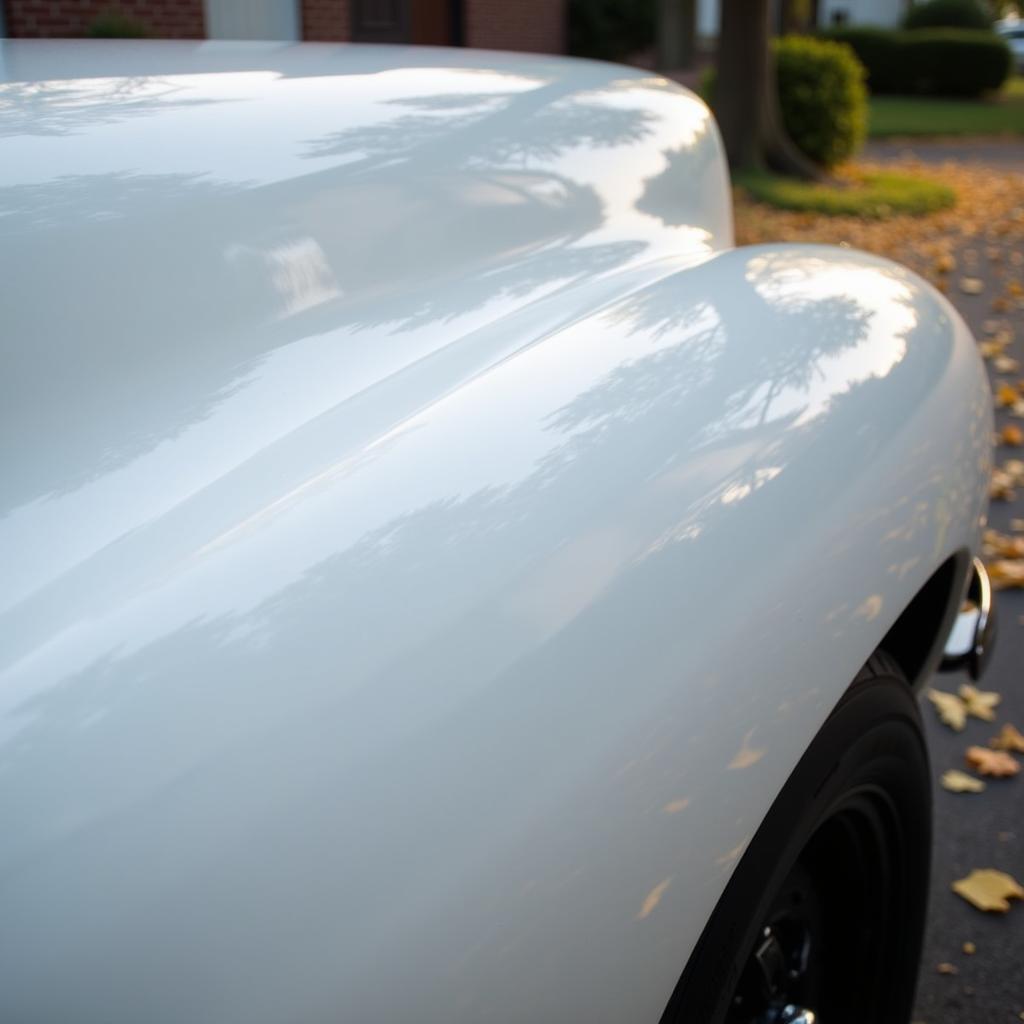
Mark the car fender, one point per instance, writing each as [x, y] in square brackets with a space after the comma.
[462, 702]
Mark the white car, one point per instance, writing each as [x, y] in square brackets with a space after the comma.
[443, 579]
[1013, 33]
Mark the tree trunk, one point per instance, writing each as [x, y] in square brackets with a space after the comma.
[677, 34]
[746, 98]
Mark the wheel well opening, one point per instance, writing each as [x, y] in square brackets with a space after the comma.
[918, 635]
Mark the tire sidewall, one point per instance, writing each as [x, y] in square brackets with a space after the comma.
[873, 740]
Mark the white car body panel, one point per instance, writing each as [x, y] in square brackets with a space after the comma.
[424, 560]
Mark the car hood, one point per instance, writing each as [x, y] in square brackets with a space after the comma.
[213, 250]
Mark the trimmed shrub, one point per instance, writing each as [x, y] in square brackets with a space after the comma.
[878, 49]
[947, 14]
[115, 25]
[932, 62]
[822, 97]
[610, 29]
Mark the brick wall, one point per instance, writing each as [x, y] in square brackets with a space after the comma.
[537, 25]
[167, 19]
[326, 21]
[534, 25]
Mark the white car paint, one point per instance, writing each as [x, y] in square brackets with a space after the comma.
[428, 545]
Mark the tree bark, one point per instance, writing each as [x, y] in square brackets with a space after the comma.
[746, 98]
[677, 34]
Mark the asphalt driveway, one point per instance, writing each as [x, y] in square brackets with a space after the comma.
[1005, 154]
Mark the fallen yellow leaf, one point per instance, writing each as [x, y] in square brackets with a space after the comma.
[1009, 738]
[952, 710]
[979, 702]
[970, 948]
[947, 969]
[1006, 572]
[1000, 486]
[988, 889]
[1002, 544]
[1006, 394]
[957, 781]
[996, 763]
[972, 285]
[1011, 434]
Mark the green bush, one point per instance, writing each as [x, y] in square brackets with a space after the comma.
[822, 97]
[116, 25]
[947, 14]
[610, 29]
[878, 49]
[931, 62]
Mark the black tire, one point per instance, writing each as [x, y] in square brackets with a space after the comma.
[826, 909]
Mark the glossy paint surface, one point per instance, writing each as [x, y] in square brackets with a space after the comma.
[427, 546]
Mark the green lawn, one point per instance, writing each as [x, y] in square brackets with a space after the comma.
[916, 115]
[869, 196]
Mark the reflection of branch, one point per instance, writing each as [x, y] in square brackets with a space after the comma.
[65, 107]
[712, 350]
[543, 245]
[75, 198]
[494, 128]
[774, 390]
[450, 101]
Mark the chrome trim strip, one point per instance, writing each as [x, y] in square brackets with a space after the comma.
[972, 636]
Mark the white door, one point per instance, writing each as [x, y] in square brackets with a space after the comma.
[252, 19]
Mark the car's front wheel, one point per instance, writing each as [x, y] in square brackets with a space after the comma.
[824, 916]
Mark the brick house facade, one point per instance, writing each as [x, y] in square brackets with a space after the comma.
[535, 25]
[166, 19]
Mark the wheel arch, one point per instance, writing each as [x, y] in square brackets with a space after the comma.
[915, 640]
